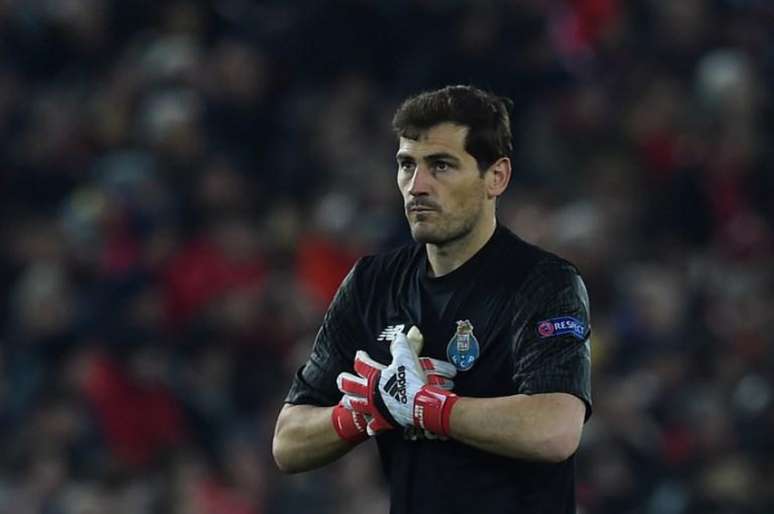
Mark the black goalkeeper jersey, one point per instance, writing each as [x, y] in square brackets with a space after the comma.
[514, 319]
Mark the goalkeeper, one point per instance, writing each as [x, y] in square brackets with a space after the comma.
[489, 416]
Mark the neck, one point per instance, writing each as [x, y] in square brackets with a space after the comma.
[448, 257]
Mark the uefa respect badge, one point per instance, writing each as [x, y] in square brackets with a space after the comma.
[463, 348]
[561, 326]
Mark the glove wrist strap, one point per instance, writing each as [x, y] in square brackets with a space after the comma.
[349, 425]
[432, 409]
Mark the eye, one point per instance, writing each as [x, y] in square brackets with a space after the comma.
[441, 166]
[406, 166]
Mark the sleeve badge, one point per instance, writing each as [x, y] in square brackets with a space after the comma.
[561, 326]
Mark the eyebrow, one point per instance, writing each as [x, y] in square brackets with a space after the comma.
[431, 157]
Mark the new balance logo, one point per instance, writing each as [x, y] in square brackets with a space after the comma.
[389, 333]
[396, 385]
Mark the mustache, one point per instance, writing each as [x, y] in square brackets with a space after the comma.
[422, 204]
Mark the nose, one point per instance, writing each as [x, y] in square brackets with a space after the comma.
[420, 181]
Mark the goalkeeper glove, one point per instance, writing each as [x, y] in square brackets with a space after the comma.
[397, 394]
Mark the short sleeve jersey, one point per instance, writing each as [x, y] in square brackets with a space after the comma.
[513, 319]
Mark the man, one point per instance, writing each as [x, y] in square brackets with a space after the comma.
[512, 319]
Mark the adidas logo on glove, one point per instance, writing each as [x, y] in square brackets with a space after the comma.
[396, 385]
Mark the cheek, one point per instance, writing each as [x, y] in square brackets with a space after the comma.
[467, 199]
[402, 184]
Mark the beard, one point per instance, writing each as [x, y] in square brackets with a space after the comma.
[442, 231]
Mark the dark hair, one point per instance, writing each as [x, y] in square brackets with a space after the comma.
[485, 115]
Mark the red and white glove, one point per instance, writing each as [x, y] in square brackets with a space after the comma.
[351, 425]
[397, 394]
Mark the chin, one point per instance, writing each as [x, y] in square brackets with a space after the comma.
[424, 234]
[427, 233]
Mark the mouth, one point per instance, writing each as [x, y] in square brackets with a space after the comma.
[420, 214]
[420, 208]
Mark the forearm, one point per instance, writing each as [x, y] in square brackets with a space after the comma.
[305, 439]
[544, 427]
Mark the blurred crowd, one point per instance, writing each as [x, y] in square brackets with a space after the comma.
[183, 184]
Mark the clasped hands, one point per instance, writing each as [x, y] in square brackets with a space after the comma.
[410, 391]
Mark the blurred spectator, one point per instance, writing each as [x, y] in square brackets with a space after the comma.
[184, 184]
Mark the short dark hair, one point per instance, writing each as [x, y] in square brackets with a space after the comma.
[485, 114]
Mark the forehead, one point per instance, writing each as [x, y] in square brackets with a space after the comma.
[441, 138]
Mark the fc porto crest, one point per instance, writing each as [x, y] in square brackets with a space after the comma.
[463, 349]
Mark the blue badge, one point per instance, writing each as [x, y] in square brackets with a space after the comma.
[561, 326]
[463, 349]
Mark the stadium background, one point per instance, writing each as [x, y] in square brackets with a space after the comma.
[184, 184]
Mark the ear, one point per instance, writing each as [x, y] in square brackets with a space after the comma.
[497, 177]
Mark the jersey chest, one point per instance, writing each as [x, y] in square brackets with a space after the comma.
[472, 329]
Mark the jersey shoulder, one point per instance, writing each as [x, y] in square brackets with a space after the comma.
[526, 265]
[390, 267]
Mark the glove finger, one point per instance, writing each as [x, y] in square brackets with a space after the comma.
[438, 367]
[365, 366]
[346, 401]
[439, 381]
[351, 384]
[356, 404]
[414, 337]
[352, 396]
[401, 350]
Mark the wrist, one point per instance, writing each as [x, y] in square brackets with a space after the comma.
[432, 409]
[349, 425]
